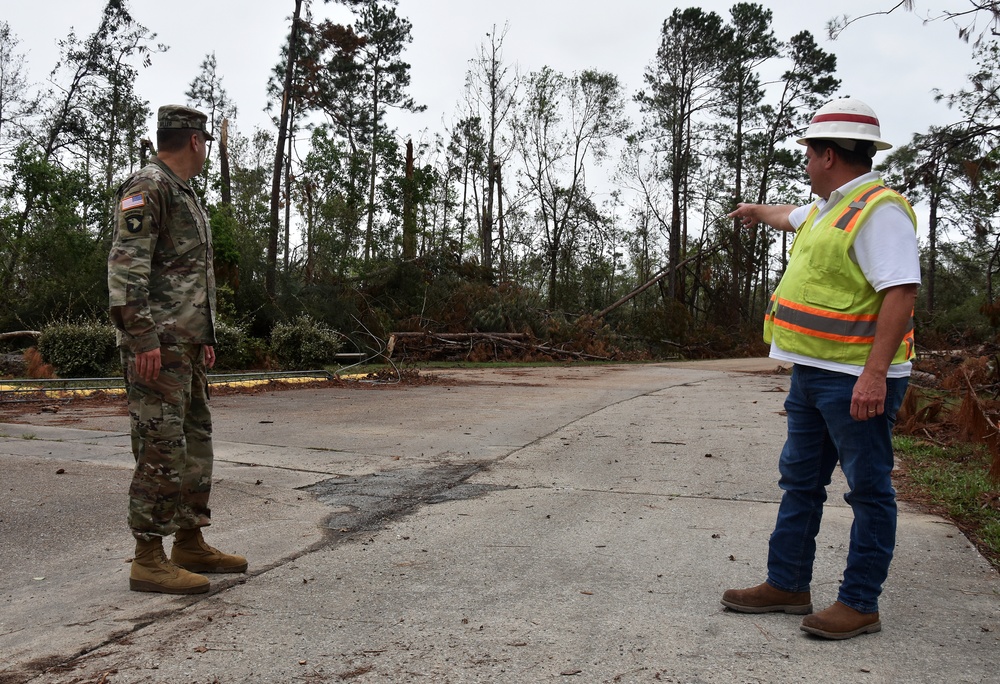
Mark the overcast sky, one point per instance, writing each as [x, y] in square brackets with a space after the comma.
[892, 62]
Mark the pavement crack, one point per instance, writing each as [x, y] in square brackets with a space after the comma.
[653, 393]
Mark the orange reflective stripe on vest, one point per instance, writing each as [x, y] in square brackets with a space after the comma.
[847, 220]
[808, 320]
[829, 325]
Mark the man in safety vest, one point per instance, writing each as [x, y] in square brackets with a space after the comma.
[843, 316]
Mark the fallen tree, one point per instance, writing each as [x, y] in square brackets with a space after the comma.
[455, 346]
[19, 333]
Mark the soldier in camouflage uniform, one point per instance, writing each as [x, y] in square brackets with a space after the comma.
[162, 300]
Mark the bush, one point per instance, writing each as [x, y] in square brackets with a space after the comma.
[83, 349]
[304, 344]
[235, 349]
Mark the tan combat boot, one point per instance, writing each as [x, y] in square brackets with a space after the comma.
[151, 571]
[192, 553]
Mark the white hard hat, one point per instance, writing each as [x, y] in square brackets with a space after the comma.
[845, 119]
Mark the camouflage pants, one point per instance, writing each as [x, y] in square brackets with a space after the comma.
[172, 443]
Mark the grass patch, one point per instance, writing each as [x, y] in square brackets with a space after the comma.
[953, 482]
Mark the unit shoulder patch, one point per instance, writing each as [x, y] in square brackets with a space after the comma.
[133, 222]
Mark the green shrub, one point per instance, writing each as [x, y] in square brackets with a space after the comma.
[235, 349]
[83, 349]
[304, 344]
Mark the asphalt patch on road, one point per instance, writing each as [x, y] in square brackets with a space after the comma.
[367, 503]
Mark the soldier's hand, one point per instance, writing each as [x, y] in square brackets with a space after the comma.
[147, 365]
[209, 356]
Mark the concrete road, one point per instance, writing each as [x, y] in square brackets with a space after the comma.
[512, 525]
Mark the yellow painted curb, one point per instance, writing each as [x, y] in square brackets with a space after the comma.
[65, 392]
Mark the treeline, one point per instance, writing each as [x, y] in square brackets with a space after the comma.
[542, 201]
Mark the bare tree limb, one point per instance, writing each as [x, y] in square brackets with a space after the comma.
[991, 8]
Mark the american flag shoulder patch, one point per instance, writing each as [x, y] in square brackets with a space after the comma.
[133, 202]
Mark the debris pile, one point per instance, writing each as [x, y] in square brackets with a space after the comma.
[953, 397]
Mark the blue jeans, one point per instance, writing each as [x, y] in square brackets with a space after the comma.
[821, 432]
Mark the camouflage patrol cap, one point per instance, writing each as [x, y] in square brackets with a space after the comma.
[179, 116]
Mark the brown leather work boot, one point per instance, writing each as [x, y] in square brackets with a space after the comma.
[151, 571]
[766, 599]
[192, 553]
[841, 622]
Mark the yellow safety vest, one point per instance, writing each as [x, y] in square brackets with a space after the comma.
[824, 307]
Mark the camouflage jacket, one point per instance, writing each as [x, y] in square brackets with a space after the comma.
[161, 281]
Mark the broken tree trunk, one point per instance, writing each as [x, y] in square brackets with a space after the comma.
[225, 175]
[663, 273]
[409, 207]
